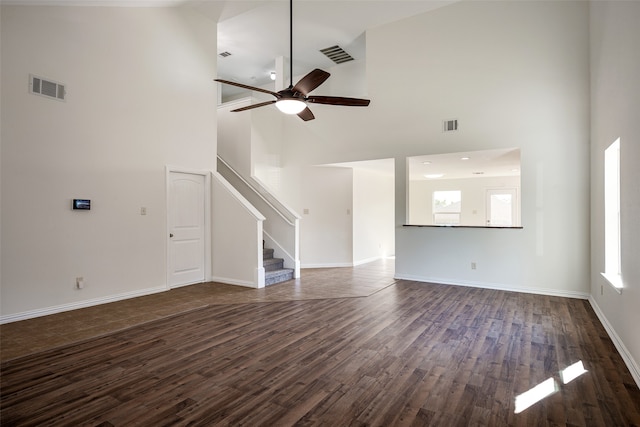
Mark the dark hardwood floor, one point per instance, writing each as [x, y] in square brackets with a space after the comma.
[34, 335]
[409, 354]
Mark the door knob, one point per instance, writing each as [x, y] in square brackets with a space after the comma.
[170, 234]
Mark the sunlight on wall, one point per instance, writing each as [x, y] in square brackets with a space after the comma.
[612, 232]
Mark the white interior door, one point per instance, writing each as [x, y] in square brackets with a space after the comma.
[186, 228]
[502, 207]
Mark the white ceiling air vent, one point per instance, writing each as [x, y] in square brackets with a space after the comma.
[46, 87]
[337, 54]
[450, 125]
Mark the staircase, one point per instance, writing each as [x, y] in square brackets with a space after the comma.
[274, 272]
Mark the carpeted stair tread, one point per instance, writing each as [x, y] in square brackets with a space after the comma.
[278, 276]
[267, 253]
[274, 271]
[272, 261]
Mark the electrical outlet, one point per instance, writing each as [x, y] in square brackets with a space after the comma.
[79, 282]
[473, 265]
[143, 210]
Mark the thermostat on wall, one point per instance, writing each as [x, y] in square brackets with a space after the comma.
[81, 204]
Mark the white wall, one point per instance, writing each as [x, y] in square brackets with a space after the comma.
[347, 79]
[234, 136]
[140, 96]
[237, 243]
[615, 103]
[326, 236]
[513, 74]
[373, 215]
[266, 145]
[474, 197]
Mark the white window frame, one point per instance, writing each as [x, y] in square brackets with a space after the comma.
[458, 212]
[612, 253]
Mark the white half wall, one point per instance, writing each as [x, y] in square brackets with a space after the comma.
[237, 237]
[140, 96]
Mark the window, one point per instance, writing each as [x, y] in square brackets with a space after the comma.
[447, 207]
[612, 263]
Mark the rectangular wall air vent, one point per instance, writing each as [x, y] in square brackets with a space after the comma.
[337, 54]
[46, 87]
[224, 54]
[450, 125]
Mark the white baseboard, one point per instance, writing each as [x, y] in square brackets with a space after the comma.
[228, 281]
[182, 285]
[496, 286]
[366, 261]
[328, 265]
[76, 305]
[626, 355]
[342, 264]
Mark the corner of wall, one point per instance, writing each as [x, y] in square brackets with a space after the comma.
[626, 355]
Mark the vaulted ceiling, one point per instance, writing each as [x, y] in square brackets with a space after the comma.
[255, 33]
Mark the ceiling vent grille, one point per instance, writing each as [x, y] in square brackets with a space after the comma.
[450, 125]
[46, 87]
[225, 54]
[337, 54]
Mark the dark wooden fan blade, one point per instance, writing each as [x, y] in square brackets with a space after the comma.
[306, 115]
[311, 81]
[338, 100]
[257, 89]
[250, 107]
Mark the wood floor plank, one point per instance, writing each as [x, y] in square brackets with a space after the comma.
[410, 354]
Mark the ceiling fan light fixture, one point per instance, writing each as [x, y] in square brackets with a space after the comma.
[291, 106]
[293, 100]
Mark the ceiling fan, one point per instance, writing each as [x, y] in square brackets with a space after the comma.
[294, 99]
